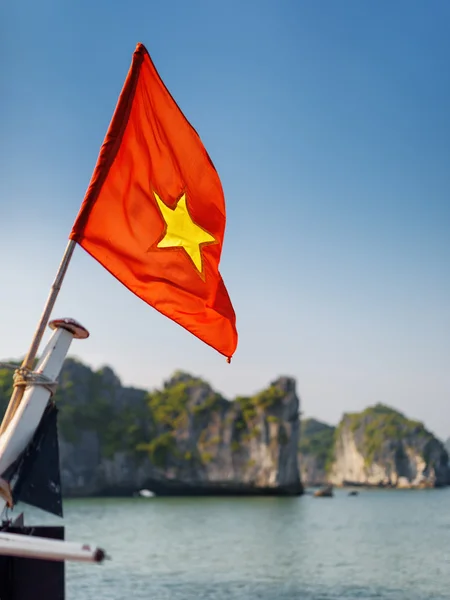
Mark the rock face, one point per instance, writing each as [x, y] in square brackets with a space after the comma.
[183, 439]
[381, 447]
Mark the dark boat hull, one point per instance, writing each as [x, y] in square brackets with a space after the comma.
[28, 578]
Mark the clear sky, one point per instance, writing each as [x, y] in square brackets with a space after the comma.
[329, 125]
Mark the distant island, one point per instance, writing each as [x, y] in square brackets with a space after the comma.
[186, 439]
[376, 447]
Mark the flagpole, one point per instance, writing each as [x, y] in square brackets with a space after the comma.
[39, 333]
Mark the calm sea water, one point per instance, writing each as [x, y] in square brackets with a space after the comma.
[392, 545]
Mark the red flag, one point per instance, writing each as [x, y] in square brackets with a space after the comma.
[154, 212]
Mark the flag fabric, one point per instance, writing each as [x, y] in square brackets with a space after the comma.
[154, 212]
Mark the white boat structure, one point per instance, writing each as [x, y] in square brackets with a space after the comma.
[29, 468]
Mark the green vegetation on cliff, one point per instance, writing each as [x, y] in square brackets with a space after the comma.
[268, 398]
[88, 403]
[317, 440]
[170, 410]
[6, 387]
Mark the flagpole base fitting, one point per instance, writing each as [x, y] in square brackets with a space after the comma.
[76, 329]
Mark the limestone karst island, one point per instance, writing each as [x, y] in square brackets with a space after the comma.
[187, 439]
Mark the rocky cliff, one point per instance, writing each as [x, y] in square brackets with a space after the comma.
[182, 439]
[377, 447]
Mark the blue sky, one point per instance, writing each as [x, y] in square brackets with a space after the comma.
[329, 125]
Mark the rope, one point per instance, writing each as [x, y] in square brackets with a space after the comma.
[23, 376]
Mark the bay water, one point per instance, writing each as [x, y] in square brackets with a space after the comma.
[390, 545]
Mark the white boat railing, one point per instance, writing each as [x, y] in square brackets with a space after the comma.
[18, 434]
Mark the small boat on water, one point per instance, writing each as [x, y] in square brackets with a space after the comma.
[324, 492]
[146, 494]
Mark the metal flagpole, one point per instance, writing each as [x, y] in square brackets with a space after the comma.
[34, 347]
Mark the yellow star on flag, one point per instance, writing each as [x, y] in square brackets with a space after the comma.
[182, 232]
